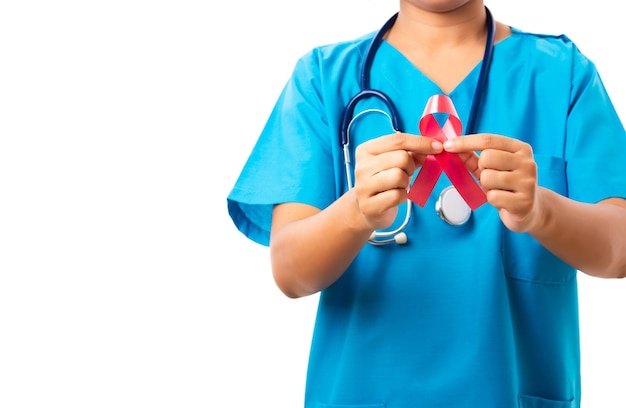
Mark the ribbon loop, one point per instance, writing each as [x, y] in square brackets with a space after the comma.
[441, 106]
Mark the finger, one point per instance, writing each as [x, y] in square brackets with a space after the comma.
[382, 202]
[400, 159]
[480, 142]
[403, 141]
[513, 202]
[498, 160]
[390, 179]
[496, 180]
[368, 165]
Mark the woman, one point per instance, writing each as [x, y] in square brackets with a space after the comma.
[482, 314]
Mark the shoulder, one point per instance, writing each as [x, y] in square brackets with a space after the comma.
[550, 46]
[554, 54]
[334, 55]
[326, 68]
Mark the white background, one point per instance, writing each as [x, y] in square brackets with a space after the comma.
[123, 126]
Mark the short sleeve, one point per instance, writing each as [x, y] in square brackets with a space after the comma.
[596, 168]
[291, 160]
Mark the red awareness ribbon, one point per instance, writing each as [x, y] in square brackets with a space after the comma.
[447, 162]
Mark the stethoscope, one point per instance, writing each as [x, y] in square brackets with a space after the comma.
[450, 206]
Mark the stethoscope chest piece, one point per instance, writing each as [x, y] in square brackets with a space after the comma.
[452, 208]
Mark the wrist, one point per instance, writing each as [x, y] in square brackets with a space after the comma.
[353, 217]
[543, 217]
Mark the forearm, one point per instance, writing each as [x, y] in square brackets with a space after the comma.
[589, 237]
[311, 252]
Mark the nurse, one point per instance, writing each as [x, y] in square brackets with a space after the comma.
[482, 314]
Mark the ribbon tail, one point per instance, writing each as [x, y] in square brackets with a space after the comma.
[465, 184]
[425, 181]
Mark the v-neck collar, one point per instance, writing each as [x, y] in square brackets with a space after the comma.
[398, 65]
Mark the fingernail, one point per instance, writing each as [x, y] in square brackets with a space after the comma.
[437, 145]
[448, 144]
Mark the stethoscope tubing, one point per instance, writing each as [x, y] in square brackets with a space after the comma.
[397, 235]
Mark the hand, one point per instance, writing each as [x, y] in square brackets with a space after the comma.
[507, 172]
[383, 170]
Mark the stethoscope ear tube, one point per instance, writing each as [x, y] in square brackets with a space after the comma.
[346, 119]
[371, 52]
[482, 77]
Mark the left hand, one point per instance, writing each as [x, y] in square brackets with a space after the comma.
[507, 173]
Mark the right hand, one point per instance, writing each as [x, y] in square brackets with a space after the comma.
[383, 170]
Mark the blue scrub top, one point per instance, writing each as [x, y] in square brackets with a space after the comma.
[469, 316]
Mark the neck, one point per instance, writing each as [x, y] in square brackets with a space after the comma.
[431, 29]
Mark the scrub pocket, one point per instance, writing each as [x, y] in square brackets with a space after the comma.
[526, 401]
[551, 173]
